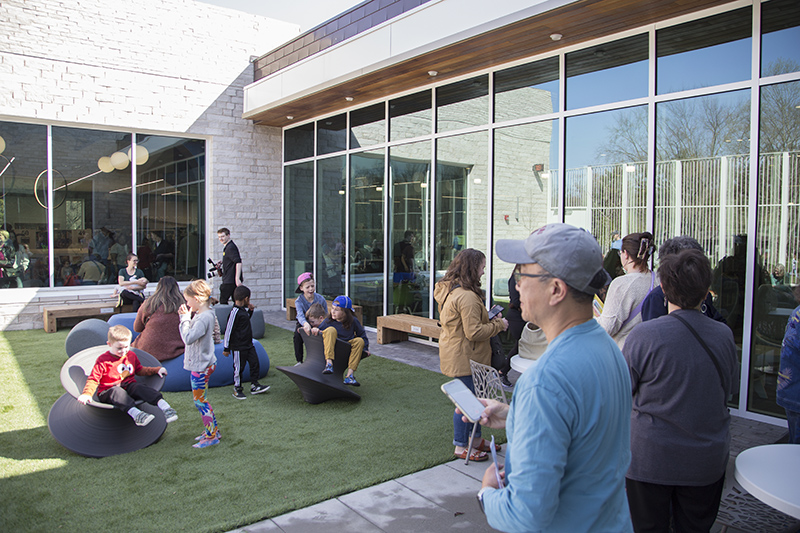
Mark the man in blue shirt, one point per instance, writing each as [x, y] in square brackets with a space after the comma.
[568, 424]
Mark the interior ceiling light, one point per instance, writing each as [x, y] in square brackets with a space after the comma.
[348, 98]
[556, 36]
[289, 117]
[432, 73]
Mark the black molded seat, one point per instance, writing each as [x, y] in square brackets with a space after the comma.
[97, 429]
[315, 386]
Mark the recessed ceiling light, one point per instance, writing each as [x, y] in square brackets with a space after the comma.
[348, 98]
[432, 73]
[556, 36]
[289, 117]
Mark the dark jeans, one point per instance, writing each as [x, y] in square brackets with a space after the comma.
[226, 292]
[693, 509]
[298, 343]
[131, 298]
[462, 430]
[124, 395]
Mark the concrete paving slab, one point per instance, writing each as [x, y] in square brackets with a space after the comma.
[395, 508]
[325, 517]
[265, 526]
[449, 489]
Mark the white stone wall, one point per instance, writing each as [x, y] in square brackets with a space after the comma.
[174, 67]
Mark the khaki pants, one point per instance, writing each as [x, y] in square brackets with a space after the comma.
[356, 348]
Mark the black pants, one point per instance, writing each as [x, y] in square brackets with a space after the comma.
[124, 396]
[241, 358]
[298, 343]
[692, 509]
[131, 298]
[226, 292]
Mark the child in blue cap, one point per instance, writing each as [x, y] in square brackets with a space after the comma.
[343, 325]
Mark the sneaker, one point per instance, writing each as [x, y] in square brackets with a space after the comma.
[205, 442]
[298, 363]
[142, 419]
[328, 368]
[507, 385]
[258, 388]
[351, 380]
[239, 395]
[171, 414]
[202, 435]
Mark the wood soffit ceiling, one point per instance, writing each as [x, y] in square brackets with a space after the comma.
[577, 22]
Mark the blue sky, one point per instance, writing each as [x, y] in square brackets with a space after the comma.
[306, 13]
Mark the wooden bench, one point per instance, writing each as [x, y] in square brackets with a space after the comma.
[53, 312]
[291, 310]
[395, 328]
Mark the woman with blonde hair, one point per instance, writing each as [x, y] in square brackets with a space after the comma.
[157, 322]
[622, 309]
[466, 330]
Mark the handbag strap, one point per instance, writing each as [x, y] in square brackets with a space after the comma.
[707, 349]
[638, 308]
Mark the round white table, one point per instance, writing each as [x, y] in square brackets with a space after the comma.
[771, 474]
[521, 364]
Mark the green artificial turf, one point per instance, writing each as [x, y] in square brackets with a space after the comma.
[278, 452]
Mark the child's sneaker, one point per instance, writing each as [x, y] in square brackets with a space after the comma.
[170, 414]
[142, 419]
[351, 380]
[202, 435]
[328, 368]
[239, 395]
[205, 442]
[258, 388]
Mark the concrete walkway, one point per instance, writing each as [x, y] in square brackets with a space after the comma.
[441, 498]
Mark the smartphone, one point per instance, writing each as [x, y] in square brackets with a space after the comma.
[495, 310]
[464, 399]
[496, 466]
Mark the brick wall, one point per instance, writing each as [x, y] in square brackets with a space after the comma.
[175, 67]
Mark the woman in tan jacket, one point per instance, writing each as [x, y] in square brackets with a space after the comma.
[466, 330]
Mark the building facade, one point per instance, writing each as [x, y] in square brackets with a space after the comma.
[450, 124]
[122, 131]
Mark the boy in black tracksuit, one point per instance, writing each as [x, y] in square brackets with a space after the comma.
[239, 340]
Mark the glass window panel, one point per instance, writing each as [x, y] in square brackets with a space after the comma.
[525, 175]
[702, 176]
[609, 72]
[298, 223]
[25, 261]
[462, 104]
[410, 116]
[99, 194]
[704, 52]
[409, 174]
[778, 243]
[368, 126]
[780, 37]
[462, 189]
[298, 143]
[170, 196]
[331, 204]
[366, 230]
[606, 173]
[527, 90]
[332, 134]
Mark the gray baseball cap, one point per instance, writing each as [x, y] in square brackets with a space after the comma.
[568, 253]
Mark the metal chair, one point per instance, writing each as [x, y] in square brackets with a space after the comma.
[488, 386]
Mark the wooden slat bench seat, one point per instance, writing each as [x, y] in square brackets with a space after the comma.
[53, 312]
[395, 328]
[291, 310]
